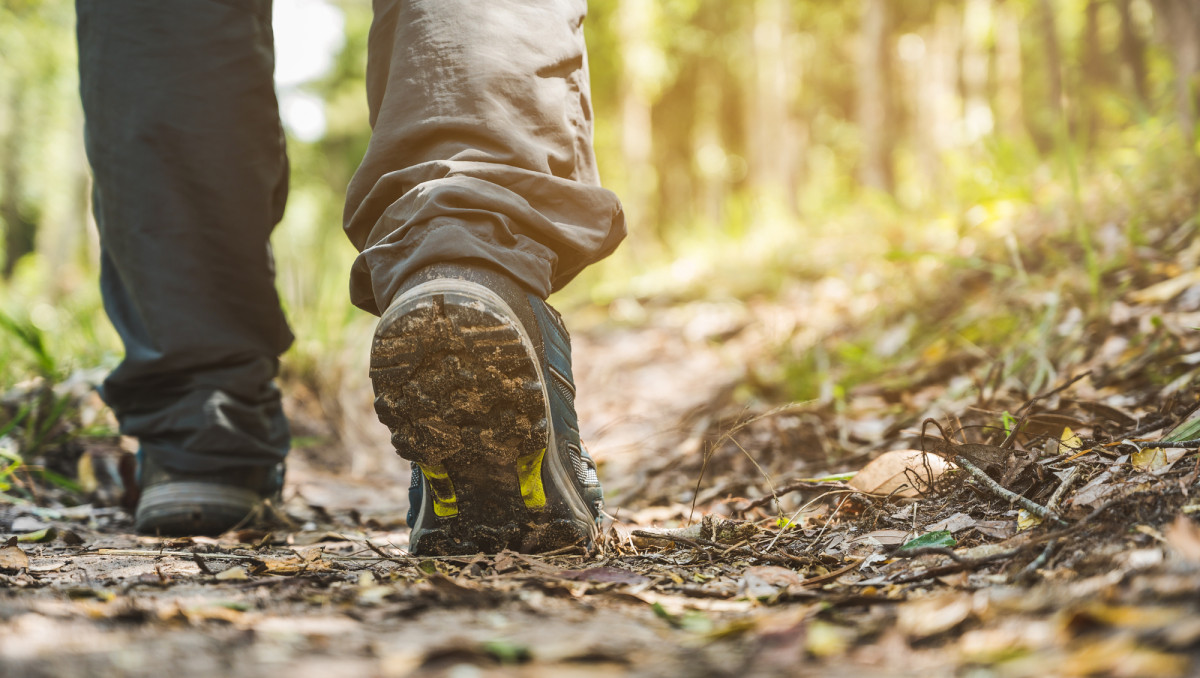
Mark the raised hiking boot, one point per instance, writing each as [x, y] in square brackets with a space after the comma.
[473, 376]
[176, 503]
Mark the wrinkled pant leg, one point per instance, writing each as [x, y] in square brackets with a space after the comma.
[190, 176]
[481, 147]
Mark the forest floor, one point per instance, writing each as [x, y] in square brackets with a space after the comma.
[1022, 531]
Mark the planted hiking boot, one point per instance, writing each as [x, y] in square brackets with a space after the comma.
[176, 503]
[473, 376]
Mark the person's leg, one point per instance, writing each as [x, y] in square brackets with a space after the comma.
[482, 146]
[478, 196]
[188, 156]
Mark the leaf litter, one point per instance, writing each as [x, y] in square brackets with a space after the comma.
[935, 521]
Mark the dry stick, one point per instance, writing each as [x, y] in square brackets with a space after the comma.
[1193, 444]
[788, 489]
[778, 559]
[999, 490]
[930, 551]
[204, 569]
[830, 575]
[681, 540]
[1066, 483]
[1038, 562]
[394, 559]
[1027, 408]
[959, 565]
[729, 436]
[810, 503]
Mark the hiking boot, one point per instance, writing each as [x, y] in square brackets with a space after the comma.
[177, 503]
[472, 374]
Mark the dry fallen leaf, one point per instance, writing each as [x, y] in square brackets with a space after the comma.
[768, 582]
[930, 616]
[1183, 536]
[235, 573]
[954, 524]
[12, 557]
[1026, 520]
[1157, 459]
[1070, 440]
[893, 473]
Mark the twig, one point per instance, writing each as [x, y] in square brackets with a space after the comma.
[1000, 491]
[812, 581]
[810, 503]
[929, 551]
[712, 449]
[788, 489]
[394, 559]
[1037, 563]
[1061, 490]
[1154, 425]
[667, 537]
[204, 569]
[1163, 444]
[1046, 394]
[959, 565]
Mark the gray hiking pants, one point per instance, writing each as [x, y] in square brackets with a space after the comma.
[480, 150]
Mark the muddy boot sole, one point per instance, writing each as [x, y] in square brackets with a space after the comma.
[458, 382]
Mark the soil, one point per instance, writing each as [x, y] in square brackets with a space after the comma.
[734, 548]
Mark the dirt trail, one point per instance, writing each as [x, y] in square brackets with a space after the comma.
[1114, 589]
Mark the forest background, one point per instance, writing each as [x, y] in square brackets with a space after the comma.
[967, 176]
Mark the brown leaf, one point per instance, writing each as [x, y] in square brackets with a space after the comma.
[12, 557]
[893, 473]
[930, 616]
[884, 537]
[955, 523]
[768, 582]
[235, 573]
[1183, 536]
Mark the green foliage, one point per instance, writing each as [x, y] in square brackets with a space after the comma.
[745, 181]
[939, 539]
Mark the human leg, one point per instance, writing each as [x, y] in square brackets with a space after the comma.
[477, 197]
[190, 171]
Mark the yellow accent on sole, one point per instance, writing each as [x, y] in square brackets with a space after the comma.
[529, 473]
[445, 502]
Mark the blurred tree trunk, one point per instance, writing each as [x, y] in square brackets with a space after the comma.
[19, 230]
[1094, 75]
[1133, 51]
[1179, 22]
[937, 109]
[978, 118]
[1009, 117]
[633, 25]
[876, 119]
[772, 149]
[1053, 52]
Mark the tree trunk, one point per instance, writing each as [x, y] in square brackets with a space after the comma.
[1133, 52]
[1179, 22]
[1049, 28]
[1008, 71]
[771, 148]
[1094, 75]
[978, 118]
[633, 21]
[875, 116]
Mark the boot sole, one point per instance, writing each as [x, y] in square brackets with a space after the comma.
[458, 382]
[191, 508]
